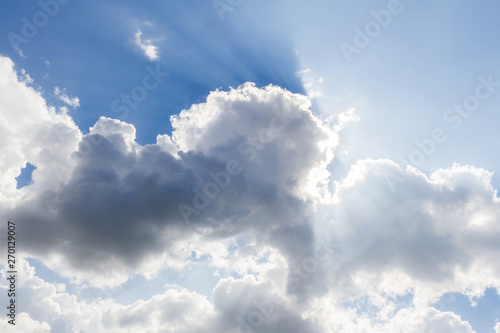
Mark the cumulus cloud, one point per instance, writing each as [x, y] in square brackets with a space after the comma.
[242, 182]
[429, 320]
[24, 323]
[383, 314]
[146, 45]
[435, 228]
[31, 132]
[236, 306]
[117, 202]
[430, 235]
[57, 311]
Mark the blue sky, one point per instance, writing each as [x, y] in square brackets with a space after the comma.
[121, 109]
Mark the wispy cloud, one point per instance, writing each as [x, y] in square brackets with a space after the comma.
[71, 101]
[146, 45]
[312, 85]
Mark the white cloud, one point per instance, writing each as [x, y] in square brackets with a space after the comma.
[24, 323]
[432, 235]
[58, 311]
[234, 304]
[312, 85]
[30, 132]
[237, 305]
[381, 314]
[428, 320]
[25, 77]
[270, 131]
[116, 131]
[344, 119]
[61, 94]
[150, 50]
